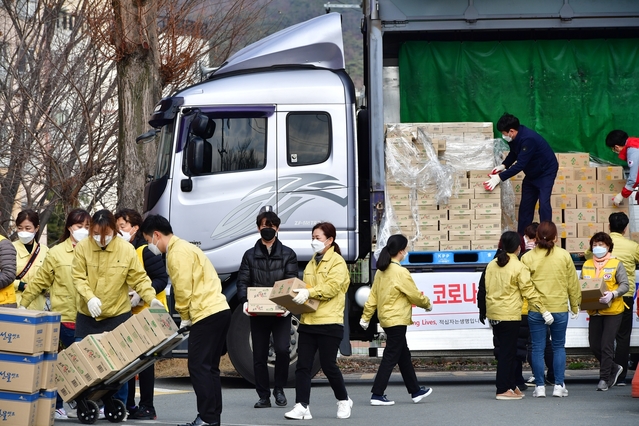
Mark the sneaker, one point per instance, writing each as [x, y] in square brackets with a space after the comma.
[518, 392]
[299, 412]
[539, 392]
[621, 383]
[531, 380]
[613, 379]
[379, 400]
[101, 416]
[508, 395]
[132, 409]
[422, 393]
[144, 413]
[344, 408]
[61, 414]
[72, 414]
[602, 386]
[560, 391]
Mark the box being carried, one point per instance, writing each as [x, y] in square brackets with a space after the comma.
[283, 295]
[157, 324]
[259, 302]
[591, 290]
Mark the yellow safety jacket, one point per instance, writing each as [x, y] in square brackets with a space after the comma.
[609, 272]
[22, 258]
[161, 296]
[7, 294]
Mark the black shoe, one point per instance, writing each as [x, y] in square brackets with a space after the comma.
[132, 410]
[280, 398]
[263, 403]
[199, 422]
[144, 413]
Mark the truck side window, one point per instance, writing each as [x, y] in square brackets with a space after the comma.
[308, 138]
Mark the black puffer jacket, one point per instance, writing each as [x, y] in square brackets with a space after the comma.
[153, 265]
[7, 263]
[259, 269]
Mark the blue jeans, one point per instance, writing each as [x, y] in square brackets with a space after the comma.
[558, 340]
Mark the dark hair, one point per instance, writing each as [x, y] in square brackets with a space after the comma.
[394, 245]
[329, 230]
[271, 219]
[510, 241]
[30, 215]
[546, 235]
[155, 222]
[103, 219]
[129, 215]
[616, 137]
[602, 237]
[507, 122]
[531, 230]
[618, 222]
[74, 216]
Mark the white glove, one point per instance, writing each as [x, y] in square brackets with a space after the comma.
[245, 309]
[21, 307]
[607, 297]
[135, 298]
[285, 314]
[156, 304]
[498, 169]
[617, 200]
[492, 183]
[185, 323]
[574, 315]
[548, 318]
[302, 295]
[363, 324]
[94, 307]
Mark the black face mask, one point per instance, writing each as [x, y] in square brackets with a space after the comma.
[267, 233]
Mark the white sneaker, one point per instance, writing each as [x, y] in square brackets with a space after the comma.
[539, 392]
[560, 391]
[299, 412]
[101, 416]
[344, 408]
[72, 413]
[61, 414]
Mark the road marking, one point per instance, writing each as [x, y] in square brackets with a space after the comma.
[162, 391]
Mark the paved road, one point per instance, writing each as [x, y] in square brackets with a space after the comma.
[459, 398]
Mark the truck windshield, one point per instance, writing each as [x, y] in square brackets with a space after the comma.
[164, 151]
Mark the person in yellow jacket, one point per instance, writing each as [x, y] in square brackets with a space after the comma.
[507, 283]
[393, 295]
[604, 323]
[55, 276]
[327, 280]
[104, 267]
[202, 307]
[554, 276]
[29, 255]
[7, 273]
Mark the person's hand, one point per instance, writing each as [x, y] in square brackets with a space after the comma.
[607, 297]
[363, 324]
[245, 309]
[302, 295]
[185, 324]
[94, 307]
[617, 200]
[498, 170]
[492, 183]
[548, 318]
[285, 314]
[574, 315]
[429, 307]
[156, 304]
[21, 307]
[134, 298]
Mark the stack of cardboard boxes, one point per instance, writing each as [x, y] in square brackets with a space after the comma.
[99, 356]
[581, 199]
[28, 353]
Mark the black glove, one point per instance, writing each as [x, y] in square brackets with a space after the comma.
[482, 319]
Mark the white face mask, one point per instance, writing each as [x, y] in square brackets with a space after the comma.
[126, 236]
[507, 138]
[599, 251]
[317, 246]
[80, 234]
[107, 240]
[154, 248]
[26, 237]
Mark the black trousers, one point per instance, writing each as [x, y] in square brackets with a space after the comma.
[602, 331]
[622, 350]
[308, 345]
[397, 353]
[507, 333]
[206, 345]
[146, 380]
[261, 329]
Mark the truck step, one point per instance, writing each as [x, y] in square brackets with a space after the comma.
[449, 257]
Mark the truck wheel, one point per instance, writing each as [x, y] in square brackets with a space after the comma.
[239, 346]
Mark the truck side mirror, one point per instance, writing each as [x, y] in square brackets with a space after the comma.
[202, 126]
[195, 155]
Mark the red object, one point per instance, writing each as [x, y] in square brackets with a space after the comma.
[623, 155]
[635, 385]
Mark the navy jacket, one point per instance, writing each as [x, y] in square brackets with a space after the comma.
[532, 154]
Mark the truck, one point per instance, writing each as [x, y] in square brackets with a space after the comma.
[280, 124]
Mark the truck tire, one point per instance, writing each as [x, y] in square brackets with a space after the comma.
[238, 343]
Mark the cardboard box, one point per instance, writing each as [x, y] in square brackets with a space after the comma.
[454, 245]
[580, 215]
[573, 159]
[95, 354]
[45, 407]
[487, 234]
[589, 201]
[82, 365]
[479, 174]
[563, 201]
[484, 245]
[461, 235]
[423, 245]
[132, 350]
[608, 204]
[19, 372]
[283, 295]
[457, 204]
[46, 371]
[427, 223]
[464, 193]
[51, 331]
[584, 173]
[460, 214]
[482, 194]
[160, 322]
[591, 290]
[18, 409]
[74, 378]
[577, 245]
[587, 230]
[581, 186]
[487, 213]
[603, 215]
[431, 215]
[121, 347]
[433, 236]
[110, 351]
[259, 302]
[610, 186]
[567, 230]
[558, 188]
[458, 225]
[564, 173]
[477, 183]
[494, 223]
[610, 173]
[21, 330]
[490, 203]
[63, 384]
[138, 334]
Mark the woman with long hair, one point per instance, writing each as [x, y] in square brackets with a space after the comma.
[29, 256]
[393, 295]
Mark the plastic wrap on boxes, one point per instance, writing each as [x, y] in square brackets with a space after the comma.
[508, 213]
[469, 152]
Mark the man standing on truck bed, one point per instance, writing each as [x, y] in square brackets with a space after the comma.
[628, 150]
[530, 153]
[268, 261]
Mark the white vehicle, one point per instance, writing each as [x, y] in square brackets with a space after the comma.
[277, 125]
